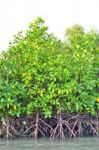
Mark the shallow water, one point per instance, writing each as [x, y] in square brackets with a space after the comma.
[45, 144]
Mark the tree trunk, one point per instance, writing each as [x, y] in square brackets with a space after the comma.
[7, 125]
[36, 125]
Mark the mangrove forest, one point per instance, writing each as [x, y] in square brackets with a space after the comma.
[50, 87]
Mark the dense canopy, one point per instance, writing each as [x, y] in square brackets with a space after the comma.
[40, 73]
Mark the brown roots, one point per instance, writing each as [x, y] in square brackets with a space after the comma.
[58, 126]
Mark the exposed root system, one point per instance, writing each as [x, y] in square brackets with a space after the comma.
[58, 126]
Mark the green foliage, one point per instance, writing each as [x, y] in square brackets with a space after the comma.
[40, 72]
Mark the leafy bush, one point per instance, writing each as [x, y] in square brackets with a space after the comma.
[38, 72]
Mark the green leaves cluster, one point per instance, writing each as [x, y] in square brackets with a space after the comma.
[40, 72]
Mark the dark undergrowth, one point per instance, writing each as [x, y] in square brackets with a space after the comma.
[58, 126]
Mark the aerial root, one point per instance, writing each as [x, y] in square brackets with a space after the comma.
[58, 126]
